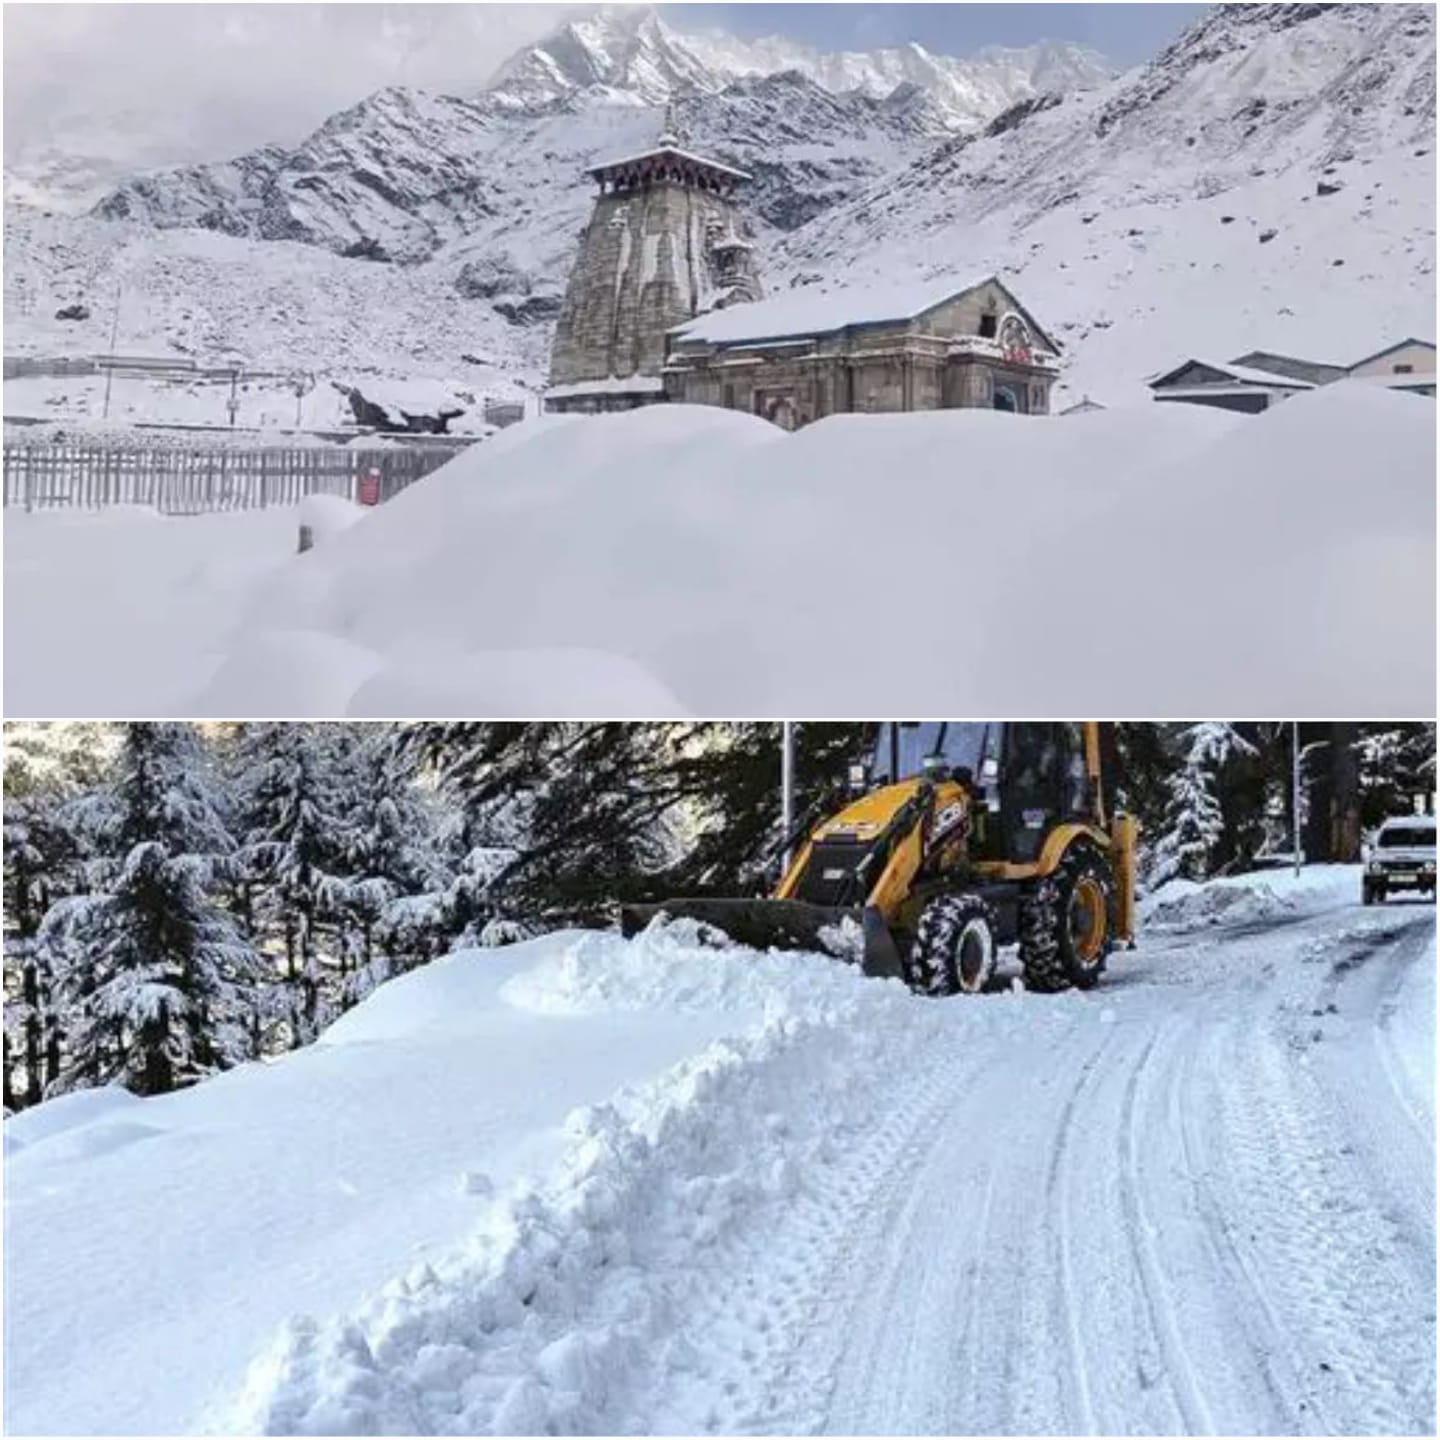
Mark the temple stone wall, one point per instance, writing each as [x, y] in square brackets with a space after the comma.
[888, 371]
[645, 264]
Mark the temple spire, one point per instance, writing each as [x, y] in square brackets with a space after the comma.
[670, 132]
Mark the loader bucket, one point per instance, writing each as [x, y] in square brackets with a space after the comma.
[853, 933]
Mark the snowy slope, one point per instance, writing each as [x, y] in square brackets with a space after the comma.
[664, 561]
[1178, 210]
[410, 172]
[594, 1186]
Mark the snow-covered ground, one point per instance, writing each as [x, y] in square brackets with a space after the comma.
[588, 1185]
[1146, 559]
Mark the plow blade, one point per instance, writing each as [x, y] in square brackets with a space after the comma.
[852, 933]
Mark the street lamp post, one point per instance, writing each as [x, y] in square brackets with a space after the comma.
[1295, 789]
[787, 788]
[302, 384]
[110, 369]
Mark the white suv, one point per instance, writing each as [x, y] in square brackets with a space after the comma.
[1402, 857]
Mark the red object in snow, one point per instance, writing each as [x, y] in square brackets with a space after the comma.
[370, 487]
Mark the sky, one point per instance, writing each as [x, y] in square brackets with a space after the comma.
[1127, 34]
[141, 85]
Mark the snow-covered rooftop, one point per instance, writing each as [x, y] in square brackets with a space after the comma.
[1244, 373]
[1390, 348]
[808, 312]
[414, 396]
[675, 152]
[610, 385]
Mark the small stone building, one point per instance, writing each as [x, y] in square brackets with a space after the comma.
[941, 345]
[666, 242]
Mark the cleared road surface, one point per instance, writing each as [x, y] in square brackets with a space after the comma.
[1212, 1212]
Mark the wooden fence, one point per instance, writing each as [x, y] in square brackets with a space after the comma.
[192, 481]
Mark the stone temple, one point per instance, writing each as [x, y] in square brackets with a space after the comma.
[666, 242]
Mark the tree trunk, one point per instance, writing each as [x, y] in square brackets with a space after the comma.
[10, 1099]
[34, 1085]
[52, 1055]
[34, 1031]
[1344, 794]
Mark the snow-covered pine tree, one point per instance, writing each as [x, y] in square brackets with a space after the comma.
[556, 819]
[1397, 768]
[292, 854]
[729, 777]
[155, 974]
[1194, 821]
[41, 858]
[396, 879]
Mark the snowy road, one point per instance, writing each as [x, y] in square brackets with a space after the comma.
[1199, 1199]
[1211, 1213]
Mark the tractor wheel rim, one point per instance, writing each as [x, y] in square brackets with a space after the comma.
[970, 965]
[1087, 919]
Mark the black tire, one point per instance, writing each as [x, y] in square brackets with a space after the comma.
[1067, 924]
[954, 949]
[1368, 891]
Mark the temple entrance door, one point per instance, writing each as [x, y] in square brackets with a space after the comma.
[1005, 399]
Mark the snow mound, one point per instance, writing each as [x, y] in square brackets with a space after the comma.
[669, 967]
[329, 514]
[560, 1309]
[69, 1113]
[684, 558]
[1261, 895]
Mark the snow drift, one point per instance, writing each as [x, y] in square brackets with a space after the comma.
[1152, 559]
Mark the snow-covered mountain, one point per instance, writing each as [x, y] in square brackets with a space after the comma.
[1266, 182]
[405, 173]
[631, 52]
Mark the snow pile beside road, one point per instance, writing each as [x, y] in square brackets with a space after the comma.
[680, 559]
[669, 967]
[1260, 895]
[1412, 1022]
[304, 1184]
[560, 1310]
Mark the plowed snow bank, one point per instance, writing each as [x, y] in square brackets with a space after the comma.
[1260, 895]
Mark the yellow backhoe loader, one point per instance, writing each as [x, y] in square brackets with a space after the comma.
[963, 836]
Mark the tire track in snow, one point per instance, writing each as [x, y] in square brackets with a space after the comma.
[1268, 1347]
[1411, 1104]
[1180, 1370]
[782, 1384]
[1058, 1197]
[893, 1213]
[1321, 1248]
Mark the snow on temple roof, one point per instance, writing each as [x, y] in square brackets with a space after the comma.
[804, 312]
[610, 385]
[674, 152]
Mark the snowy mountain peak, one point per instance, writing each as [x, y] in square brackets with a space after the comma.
[631, 52]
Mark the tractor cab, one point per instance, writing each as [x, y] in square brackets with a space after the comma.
[1026, 778]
